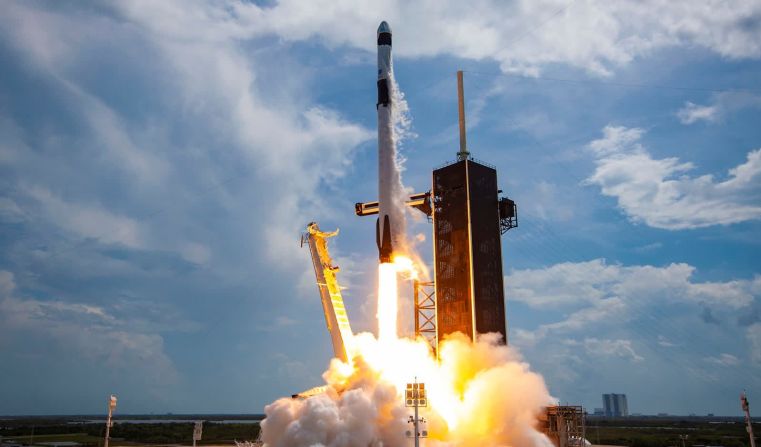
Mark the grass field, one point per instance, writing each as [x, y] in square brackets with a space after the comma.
[82, 438]
[634, 432]
[652, 432]
[39, 430]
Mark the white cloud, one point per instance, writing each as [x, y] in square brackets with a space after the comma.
[600, 312]
[88, 221]
[54, 41]
[290, 146]
[574, 284]
[721, 105]
[522, 35]
[609, 348]
[611, 296]
[561, 284]
[649, 248]
[664, 342]
[594, 315]
[86, 332]
[723, 359]
[660, 194]
[692, 112]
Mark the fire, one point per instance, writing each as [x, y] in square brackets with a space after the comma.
[387, 302]
[397, 359]
[388, 290]
[455, 381]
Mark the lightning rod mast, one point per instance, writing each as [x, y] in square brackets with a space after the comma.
[748, 422]
[109, 424]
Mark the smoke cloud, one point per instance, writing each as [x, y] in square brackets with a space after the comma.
[480, 394]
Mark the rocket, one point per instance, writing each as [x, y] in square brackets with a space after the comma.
[389, 229]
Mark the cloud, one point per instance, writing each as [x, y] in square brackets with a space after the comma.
[598, 318]
[692, 112]
[723, 359]
[660, 194]
[664, 342]
[217, 96]
[521, 36]
[649, 248]
[619, 348]
[599, 312]
[88, 221]
[617, 299]
[722, 104]
[574, 284]
[87, 332]
[180, 156]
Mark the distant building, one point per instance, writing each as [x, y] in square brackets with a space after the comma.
[599, 412]
[615, 405]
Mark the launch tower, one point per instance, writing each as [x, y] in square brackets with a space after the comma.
[470, 295]
[468, 218]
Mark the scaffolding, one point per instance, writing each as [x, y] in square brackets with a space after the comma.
[424, 296]
[564, 425]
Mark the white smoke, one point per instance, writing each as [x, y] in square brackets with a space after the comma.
[401, 125]
[481, 394]
[400, 116]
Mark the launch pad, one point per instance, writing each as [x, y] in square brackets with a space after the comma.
[466, 296]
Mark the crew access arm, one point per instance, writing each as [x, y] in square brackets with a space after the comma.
[330, 292]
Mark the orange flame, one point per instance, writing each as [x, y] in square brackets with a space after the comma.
[478, 393]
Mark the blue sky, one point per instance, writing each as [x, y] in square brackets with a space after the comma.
[159, 160]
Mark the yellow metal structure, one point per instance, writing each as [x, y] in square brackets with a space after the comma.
[330, 292]
[311, 392]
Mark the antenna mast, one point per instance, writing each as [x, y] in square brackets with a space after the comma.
[463, 154]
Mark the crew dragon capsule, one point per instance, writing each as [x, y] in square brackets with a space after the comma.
[389, 228]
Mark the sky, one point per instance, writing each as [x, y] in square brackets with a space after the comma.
[159, 161]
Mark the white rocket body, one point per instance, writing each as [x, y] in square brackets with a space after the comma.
[390, 225]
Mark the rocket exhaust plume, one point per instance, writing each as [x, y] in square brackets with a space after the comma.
[480, 393]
